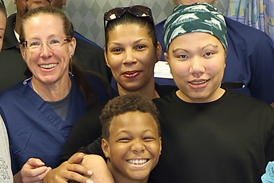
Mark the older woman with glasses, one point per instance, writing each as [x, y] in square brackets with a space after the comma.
[39, 112]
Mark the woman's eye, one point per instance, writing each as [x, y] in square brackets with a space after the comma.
[208, 54]
[140, 47]
[116, 50]
[183, 57]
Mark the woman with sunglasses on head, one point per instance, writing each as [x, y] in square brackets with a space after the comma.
[5, 162]
[131, 50]
[39, 112]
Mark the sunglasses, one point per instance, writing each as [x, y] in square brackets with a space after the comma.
[137, 11]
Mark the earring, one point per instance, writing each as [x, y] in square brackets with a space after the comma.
[71, 55]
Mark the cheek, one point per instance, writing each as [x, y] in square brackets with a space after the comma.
[179, 69]
[115, 62]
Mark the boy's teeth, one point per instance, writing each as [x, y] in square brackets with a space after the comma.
[137, 162]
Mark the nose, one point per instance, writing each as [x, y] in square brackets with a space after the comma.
[129, 58]
[45, 50]
[138, 146]
[197, 67]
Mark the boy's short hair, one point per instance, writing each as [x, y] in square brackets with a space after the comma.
[127, 103]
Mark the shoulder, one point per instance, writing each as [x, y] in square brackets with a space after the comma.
[160, 25]
[237, 30]
[81, 40]
[13, 91]
[245, 103]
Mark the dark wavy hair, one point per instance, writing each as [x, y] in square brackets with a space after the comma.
[127, 103]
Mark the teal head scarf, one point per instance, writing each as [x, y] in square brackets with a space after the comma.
[198, 17]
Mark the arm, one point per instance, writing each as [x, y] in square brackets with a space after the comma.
[101, 173]
[70, 170]
[34, 170]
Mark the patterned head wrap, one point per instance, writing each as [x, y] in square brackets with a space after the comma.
[198, 17]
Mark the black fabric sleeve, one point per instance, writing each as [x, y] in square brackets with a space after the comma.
[94, 148]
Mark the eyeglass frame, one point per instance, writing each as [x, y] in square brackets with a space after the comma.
[127, 9]
[25, 43]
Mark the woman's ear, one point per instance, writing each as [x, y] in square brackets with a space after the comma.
[159, 50]
[105, 147]
[166, 56]
[106, 58]
[72, 46]
[22, 50]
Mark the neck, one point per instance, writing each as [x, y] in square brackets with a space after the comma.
[51, 92]
[147, 91]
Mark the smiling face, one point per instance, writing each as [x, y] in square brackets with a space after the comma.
[131, 56]
[3, 20]
[134, 146]
[197, 63]
[47, 66]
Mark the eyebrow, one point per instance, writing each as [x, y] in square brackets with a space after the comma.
[135, 42]
[179, 49]
[215, 46]
[127, 132]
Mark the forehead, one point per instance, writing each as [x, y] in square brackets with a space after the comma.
[3, 20]
[134, 120]
[132, 30]
[195, 40]
[43, 24]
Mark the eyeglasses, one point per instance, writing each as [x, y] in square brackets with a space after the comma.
[53, 43]
[137, 11]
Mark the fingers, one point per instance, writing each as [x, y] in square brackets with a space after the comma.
[76, 158]
[67, 171]
[35, 162]
[34, 171]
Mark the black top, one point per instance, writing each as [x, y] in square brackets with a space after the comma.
[228, 140]
[88, 127]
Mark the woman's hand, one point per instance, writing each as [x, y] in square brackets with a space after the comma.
[34, 170]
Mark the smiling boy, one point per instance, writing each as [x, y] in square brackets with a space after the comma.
[131, 137]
